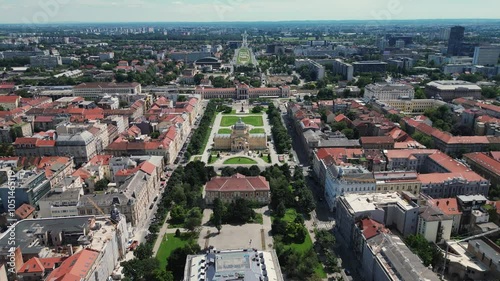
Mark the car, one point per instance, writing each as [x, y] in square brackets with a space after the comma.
[133, 245]
[151, 206]
[347, 272]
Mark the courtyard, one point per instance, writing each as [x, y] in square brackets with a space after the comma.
[252, 235]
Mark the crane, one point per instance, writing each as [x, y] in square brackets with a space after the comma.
[113, 223]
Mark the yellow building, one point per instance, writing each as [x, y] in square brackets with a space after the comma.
[397, 181]
[240, 139]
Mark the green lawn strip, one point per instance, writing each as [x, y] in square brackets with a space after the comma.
[254, 120]
[265, 158]
[240, 161]
[169, 245]
[257, 131]
[225, 131]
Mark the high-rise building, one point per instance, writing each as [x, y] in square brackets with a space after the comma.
[486, 55]
[456, 40]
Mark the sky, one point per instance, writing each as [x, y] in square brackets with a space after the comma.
[54, 11]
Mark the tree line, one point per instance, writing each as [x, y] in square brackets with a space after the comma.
[282, 140]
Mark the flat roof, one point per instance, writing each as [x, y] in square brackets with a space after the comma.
[363, 202]
[451, 85]
[247, 264]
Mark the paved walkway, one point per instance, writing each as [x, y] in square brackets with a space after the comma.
[161, 233]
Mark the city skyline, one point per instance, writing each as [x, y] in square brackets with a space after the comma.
[56, 11]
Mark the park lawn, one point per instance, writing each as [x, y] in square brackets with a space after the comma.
[214, 159]
[225, 131]
[257, 131]
[240, 161]
[168, 246]
[265, 157]
[253, 120]
[243, 56]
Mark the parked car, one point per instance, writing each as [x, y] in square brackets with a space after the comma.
[134, 245]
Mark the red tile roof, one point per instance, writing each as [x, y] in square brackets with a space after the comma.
[5, 85]
[238, 183]
[371, 228]
[24, 211]
[100, 160]
[448, 206]
[33, 265]
[450, 164]
[377, 140]
[9, 99]
[74, 268]
[485, 161]
[148, 167]
[442, 177]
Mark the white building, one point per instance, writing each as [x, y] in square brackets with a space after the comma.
[247, 264]
[486, 55]
[344, 69]
[389, 91]
[345, 180]
[434, 225]
[392, 208]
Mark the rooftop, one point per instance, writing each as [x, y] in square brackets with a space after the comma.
[363, 202]
[484, 161]
[451, 85]
[238, 183]
[398, 260]
[248, 265]
[449, 206]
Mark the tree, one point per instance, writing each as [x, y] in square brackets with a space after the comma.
[101, 184]
[349, 133]
[281, 210]
[427, 252]
[219, 213]
[143, 251]
[177, 233]
[177, 259]
[160, 275]
[257, 109]
[197, 78]
[241, 212]
[419, 93]
[155, 135]
[137, 269]
[228, 171]
[193, 219]
[177, 214]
